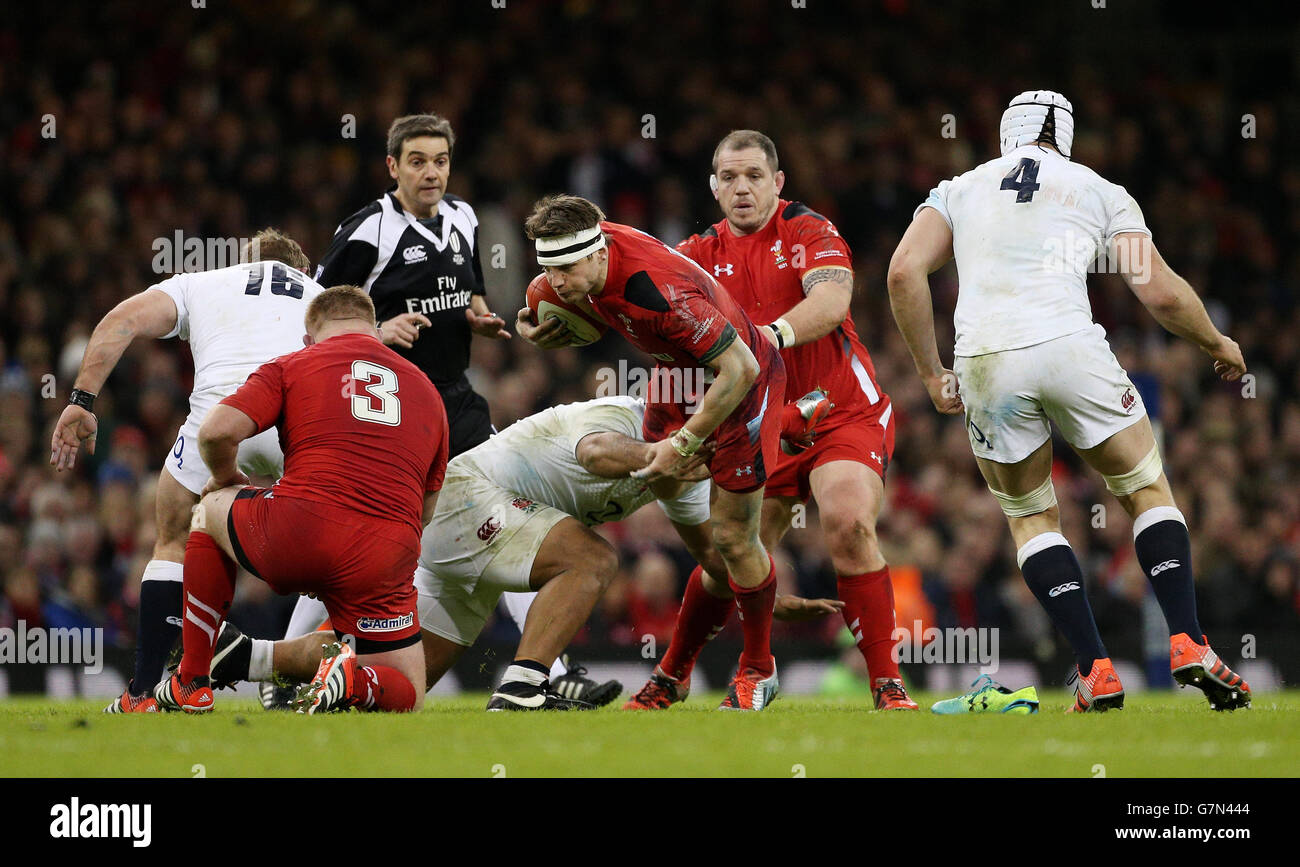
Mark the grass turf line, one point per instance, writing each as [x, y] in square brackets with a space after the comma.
[1156, 735]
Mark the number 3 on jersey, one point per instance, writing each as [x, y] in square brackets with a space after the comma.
[1023, 179]
[389, 409]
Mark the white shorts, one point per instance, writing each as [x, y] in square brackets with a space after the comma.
[481, 543]
[258, 456]
[1074, 381]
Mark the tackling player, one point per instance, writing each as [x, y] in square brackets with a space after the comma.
[515, 514]
[669, 307]
[235, 319]
[365, 442]
[788, 266]
[1024, 229]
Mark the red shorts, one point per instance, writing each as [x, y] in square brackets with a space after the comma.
[748, 440]
[360, 567]
[864, 441]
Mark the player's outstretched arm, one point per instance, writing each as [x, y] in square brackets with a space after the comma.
[1173, 302]
[148, 314]
[925, 248]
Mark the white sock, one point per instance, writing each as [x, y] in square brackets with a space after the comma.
[523, 674]
[259, 663]
[517, 605]
[163, 570]
[308, 615]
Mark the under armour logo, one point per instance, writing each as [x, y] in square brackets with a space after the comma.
[719, 270]
[1063, 588]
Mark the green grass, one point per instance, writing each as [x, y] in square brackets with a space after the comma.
[1159, 735]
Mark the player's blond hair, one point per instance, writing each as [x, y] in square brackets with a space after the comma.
[561, 215]
[339, 302]
[272, 245]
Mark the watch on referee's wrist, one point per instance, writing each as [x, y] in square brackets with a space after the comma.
[83, 399]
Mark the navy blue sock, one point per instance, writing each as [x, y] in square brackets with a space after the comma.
[1164, 549]
[157, 631]
[1054, 575]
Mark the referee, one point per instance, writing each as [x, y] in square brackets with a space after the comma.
[415, 250]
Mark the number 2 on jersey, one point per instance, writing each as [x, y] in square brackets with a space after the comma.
[389, 411]
[1023, 178]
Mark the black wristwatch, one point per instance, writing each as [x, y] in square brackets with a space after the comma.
[83, 399]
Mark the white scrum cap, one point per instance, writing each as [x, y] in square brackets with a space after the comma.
[1035, 115]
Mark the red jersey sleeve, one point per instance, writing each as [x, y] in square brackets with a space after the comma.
[261, 397]
[696, 326]
[817, 244]
[438, 469]
[689, 249]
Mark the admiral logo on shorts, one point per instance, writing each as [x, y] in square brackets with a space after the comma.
[385, 624]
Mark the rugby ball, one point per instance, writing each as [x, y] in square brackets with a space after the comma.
[583, 324]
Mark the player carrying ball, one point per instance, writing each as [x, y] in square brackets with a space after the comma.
[669, 307]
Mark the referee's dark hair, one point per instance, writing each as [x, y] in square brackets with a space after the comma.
[416, 125]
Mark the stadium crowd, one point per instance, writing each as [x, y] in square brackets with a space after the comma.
[221, 123]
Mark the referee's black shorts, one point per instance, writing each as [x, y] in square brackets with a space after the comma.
[467, 415]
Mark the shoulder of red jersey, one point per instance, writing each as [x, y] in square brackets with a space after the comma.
[825, 247]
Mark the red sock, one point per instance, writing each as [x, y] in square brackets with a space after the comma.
[381, 687]
[754, 605]
[869, 612]
[701, 617]
[209, 587]
[792, 421]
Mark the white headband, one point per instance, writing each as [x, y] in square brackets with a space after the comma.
[565, 249]
[1027, 119]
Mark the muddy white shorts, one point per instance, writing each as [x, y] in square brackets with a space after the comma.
[1074, 381]
[258, 456]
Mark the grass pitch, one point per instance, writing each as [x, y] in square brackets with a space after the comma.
[1156, 735]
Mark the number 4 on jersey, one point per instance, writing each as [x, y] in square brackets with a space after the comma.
[1023, 179]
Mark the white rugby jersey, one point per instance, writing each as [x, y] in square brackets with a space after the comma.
[237, 319]
[1026, 228]
[536, 458]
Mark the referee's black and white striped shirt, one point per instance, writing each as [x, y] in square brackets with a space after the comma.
[410, 265]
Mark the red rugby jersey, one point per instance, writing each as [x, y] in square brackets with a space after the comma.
[361, 427]
[764, 272]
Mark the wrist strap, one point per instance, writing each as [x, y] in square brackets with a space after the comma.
[83, 399]
[784, 332]
[685, 443]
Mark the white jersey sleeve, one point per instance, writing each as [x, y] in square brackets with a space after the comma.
[938, 199]
[1122, 213]
[174, 287]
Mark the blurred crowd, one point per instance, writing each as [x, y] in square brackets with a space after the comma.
[219, 121]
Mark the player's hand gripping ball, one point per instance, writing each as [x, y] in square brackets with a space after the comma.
[583, 324]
